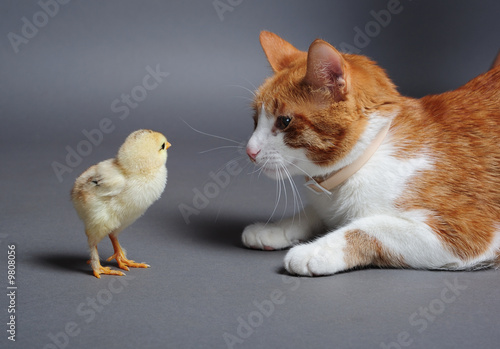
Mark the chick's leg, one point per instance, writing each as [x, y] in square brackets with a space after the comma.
[97, 267]
[121, 257]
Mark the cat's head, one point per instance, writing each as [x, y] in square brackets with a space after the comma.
[318, 105]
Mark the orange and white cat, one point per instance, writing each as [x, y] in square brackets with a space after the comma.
[395, 181]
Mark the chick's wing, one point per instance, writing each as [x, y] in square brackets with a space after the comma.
[108, 179]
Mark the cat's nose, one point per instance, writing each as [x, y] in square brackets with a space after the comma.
[252, 153]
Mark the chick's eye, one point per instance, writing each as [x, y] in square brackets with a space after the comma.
[162, 146]
[282, 122]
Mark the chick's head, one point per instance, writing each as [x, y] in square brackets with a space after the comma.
[143, 151]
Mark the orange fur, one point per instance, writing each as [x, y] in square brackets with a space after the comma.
[459, 130]
[363, 250]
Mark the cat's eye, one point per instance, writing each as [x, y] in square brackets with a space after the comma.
[282, 122]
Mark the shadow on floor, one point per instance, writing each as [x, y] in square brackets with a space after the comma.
[219, 230]
[64, 262]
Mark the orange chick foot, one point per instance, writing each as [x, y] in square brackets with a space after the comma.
[106, 271]
[124, 263]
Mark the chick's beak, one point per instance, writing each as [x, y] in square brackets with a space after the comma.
[167, 145]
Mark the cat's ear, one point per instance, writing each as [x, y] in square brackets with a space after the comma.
[279, 53]
[327, 68]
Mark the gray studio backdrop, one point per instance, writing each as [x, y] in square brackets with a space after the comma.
[62, 73]
[76, 77]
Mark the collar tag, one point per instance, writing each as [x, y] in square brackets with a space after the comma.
[315, 187]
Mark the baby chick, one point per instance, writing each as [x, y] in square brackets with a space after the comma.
[111, 195]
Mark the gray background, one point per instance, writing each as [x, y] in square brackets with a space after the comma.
[203, 284]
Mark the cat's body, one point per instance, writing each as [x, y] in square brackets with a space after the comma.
[429, 196]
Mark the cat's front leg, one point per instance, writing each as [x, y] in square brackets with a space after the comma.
[379, 240]
[276, 236]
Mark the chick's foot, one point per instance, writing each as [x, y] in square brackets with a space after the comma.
[119, 255]
[107, 271]
[124, 263]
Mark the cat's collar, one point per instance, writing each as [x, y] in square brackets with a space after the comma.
[325, 185]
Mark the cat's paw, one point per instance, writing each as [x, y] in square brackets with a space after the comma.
[265, 237]
[315, 259]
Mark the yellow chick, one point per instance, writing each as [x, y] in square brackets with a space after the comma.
[111, 195]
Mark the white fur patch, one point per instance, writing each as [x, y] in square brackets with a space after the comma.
[324, 256]
[289, 232]
[372, 190]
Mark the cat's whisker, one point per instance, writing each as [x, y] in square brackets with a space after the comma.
[209, 134]
[298, 204]
[246, 98]
[278, 197]
[297, 167]
[246, 89]
[239, 145]
[282, 171]
[261, 169]
[258, 169]
[222, 147]
[252, 84]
